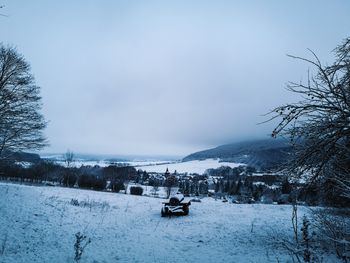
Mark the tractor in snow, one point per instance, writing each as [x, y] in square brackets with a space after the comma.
[175, 206]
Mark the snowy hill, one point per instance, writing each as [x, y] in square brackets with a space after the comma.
[38, 224]
[262, 154]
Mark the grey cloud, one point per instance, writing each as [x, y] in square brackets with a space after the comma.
[166, 77]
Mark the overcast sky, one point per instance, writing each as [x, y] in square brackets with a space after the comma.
[166, 77]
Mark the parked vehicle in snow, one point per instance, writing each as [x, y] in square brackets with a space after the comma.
[175, 205]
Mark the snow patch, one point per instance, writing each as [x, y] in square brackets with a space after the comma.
[195, 166]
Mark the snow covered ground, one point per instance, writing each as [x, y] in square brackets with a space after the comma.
[38, 224]
[195, 166]
[149, 190]
[103, 163]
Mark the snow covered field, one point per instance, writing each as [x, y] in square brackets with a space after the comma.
[160, 166]
[38, 224]
[195, 166]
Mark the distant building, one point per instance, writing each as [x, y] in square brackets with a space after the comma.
[167, 173]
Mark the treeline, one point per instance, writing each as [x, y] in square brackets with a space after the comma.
[113, 178]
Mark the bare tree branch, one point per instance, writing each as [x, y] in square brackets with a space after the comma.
[318, 126]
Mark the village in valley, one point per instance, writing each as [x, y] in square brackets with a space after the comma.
[238, 184]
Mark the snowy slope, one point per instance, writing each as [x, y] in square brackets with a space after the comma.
[195, 166]
[38, 225]
[158, 166]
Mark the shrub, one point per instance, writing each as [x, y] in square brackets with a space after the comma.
[136, 190]
[85, 181]
[99, 184]
[117, 186]
[69, 178]
[81, 241]
[91, 182]
[74, 202]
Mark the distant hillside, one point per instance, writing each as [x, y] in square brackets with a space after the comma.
[262, 154]
[22, 157]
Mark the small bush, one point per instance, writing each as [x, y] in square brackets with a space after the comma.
[69, 179]
[81, 241]
[91, 182]
[74, 202]
[136, 190]
[85, 181]
[117, 186]
[99, 184]
[91, 204]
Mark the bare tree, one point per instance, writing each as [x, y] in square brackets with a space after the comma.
[21, 123]
[319, 124]
[169, 183]
[155, 188]
[69, 178]
[68, 158]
